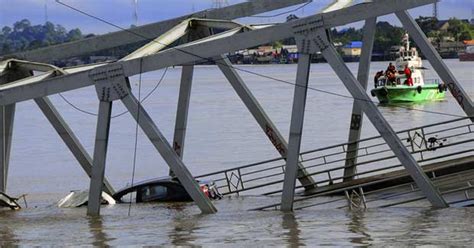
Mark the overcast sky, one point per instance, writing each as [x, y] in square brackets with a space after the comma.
[120, 12]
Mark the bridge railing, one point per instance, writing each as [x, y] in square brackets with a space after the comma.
[428, 144]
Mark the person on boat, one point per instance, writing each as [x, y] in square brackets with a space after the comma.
[390, 74]
[390, 68]
[409, 80]
[376, 77]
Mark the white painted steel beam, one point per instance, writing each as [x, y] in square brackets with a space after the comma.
[178, 32]
[69, 138]
[182, 110]
[190, 53]
[296, 131]
[161, 42]
[357, 115]
[100, 155]
[169, 155]
[436, 61]
[379, 122]
[261, 117]
[148, 32]
[337, 4]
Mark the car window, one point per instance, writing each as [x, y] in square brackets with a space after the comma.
[153, 192]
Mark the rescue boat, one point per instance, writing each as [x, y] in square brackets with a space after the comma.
[397, 88]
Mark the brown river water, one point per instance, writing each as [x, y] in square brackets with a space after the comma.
[221, 134]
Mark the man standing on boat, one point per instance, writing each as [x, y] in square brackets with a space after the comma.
[376, 78]
[390, 73]
[409, 80]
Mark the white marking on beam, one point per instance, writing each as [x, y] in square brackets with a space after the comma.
[336, 5]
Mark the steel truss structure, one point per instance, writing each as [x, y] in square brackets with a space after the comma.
[112, 84]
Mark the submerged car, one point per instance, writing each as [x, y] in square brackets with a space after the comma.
[164, 189]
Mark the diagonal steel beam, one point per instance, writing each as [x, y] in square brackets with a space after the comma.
[379, 122]
[436, 61]
[71, 141]
[149, 31]
[261, 117]
[161, 42]
[169, 155]
[357, 115]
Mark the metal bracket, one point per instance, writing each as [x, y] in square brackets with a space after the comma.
[356, 121]
[310, 35]
[110, 82]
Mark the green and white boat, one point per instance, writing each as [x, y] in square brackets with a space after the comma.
[398, 91]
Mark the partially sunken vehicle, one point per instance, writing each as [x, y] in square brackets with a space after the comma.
[164, 189]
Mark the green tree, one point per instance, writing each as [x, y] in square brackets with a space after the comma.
[427, 24]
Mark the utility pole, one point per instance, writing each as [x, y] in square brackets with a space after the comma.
[45, 11]
[217, 4]
[135, 13]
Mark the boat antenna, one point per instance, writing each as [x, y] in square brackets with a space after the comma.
[406, 39]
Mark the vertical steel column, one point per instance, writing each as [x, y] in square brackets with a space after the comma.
[71, 141]
[261, 117]
[436, 61]
[379, 122]
[182, 110]
[100, 155]
[7, 116]
[168, 154]
[296, 130]
[357, 115]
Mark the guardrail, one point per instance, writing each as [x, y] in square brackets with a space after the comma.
[428, 144]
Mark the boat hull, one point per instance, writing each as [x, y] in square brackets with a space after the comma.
[403, 93]
[466, 57]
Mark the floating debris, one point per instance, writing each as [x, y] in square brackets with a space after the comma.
[9, 202]
[80, 198]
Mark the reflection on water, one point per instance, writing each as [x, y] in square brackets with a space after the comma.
[183, 228]
[99, 237]
[290, 224]
[7, 236]
[358, 227]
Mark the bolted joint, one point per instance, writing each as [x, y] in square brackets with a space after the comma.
[311, 36]
[110, 82]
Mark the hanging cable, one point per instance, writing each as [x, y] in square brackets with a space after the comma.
[283, 13]
[136, 133]
[124, 112]
[240, 69]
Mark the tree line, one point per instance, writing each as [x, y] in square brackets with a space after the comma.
[25, 36]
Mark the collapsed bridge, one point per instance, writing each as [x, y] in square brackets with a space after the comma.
[202, 44]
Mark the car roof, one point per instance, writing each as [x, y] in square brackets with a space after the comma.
[158, 180]
[153, 181]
